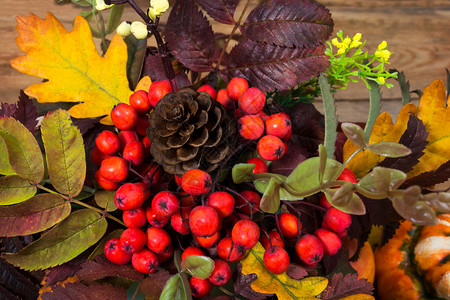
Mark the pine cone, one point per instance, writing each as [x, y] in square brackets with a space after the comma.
[189, 130]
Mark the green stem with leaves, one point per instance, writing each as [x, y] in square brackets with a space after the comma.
[374, 109]
[329, 108]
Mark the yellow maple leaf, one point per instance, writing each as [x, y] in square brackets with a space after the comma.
[282, 285]
[71, 64]
[435, 115]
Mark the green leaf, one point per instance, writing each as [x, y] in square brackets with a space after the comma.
[105, 199]
[419, 213]
[65, 241]
[24, 153]
[14, 189]
[100, 248]
[198, 266]
[346, 200]
[382, 181]
[136, 49]
[115, 14]
[374, 107]
[305, 176]
[64, 153]
[323, 161]
[174, 289]
[84, 2]
[261, 186]
[34, 215]
[5, 167]
[389, 149]
[355, 134]
[270, 201]
[329, 108]
[242, 173]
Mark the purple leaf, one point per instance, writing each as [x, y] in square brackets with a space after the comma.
[190, 37]
[85, 124]
[242, 285]
[341, 286]
[415, 138]
[289, 23]
[8, 110]
[16, 282]
[153, 285]
[62, 272]
[81, 291]
[296, 272]
[220, 10]
[270, 67]
[26, 112]
[289, 161]
[440, 175]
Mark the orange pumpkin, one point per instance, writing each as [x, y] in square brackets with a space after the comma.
[415, 262]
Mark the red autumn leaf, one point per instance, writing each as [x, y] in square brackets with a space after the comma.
[81, 291]
[341, 286]
[220, 10]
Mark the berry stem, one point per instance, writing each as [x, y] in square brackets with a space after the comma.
[227, 292]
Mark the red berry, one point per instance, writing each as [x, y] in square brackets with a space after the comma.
[223, 98]
[252, 101]
[132, 240]
[180, 221]
[165, 204]
[251, 127]
[124, 116]
[229, 252]
[142, 125]
[290, 225]
[145, 261]
[145, 188]
[324, 201]
[134, 153]
[347, 175]
[248, 202]
[165, 255]
[221, 272]
[107, 142]
[279, 125]
[203, 221]
[114, 169]
[309, 249]
[177, 179]
[208, 241]
[147, 145]
[191, 250]
[115, 254]
[275, 240]
[336, 220]
[260, 165]
[276, 260]
[208, 89]
[153, 175]
[196, 182]
[245, 234]
[105, 184]
[134, 218]
[126, 137]
[200, 287]
[129, 197]
[223, 202]
[154, 219]
[263, 116]
[331, 242]
[97, 156]
[139, 101]
[158, 240]
[270, 147]
[158, 90]
[236, 87]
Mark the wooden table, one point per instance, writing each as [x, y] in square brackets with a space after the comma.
[417, 32]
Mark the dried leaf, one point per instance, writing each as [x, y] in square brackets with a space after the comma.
[341, 286]
[64, 151]
[14, 189]
[81, 291]
[220, 10]
[289, 23]
[62, 243]
[26, 112]
[16, 282]
[72, 65]
[282, 285]
[100, 268]
[34, 215]
[440, 175]
[270, 67]
[190, 37]
[23, 150]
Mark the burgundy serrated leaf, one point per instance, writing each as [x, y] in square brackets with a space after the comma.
[153, 285]
[7, 109]
[81, 291]
[26, 112]
[341, 286]
[102, 267]
[16, 282]
[440, 175]
[154, 69]
[270, 67]
[289, 161]
[190, 37]
[220, 10]
[415, 138]
[289, 23]
[242, 285]
[296, 272]
[62, 272]
[85, 124]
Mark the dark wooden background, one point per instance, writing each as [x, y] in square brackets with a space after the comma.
[417, 32]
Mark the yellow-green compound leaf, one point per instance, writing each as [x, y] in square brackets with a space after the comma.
[5, 167]
[65, 241]
[14, 189]
[105, 199]
[24, 154]
[282, 285]
[34, 215]
[64, 153]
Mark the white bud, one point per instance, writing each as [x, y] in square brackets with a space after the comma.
[100, 5]
[124, 29]
[139, 30]
[157, 8]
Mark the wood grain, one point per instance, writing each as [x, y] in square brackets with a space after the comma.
[417, 32]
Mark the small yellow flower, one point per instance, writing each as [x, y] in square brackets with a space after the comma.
[100, 5]
[341, 51]
[381, 80]
[356, 41]
[382, 45]
[347, 42]
[384, 54]
[357, 37]
[157, 8]
[335, 42]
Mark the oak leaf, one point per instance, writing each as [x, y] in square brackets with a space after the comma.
[433, 111]
[282, 285]
[71, 64]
